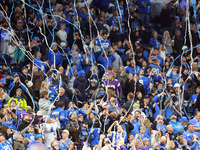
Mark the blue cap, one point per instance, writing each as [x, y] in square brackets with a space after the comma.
[16, 74]
[81, 73]
[3, 80]
[170, 4]
[167, 53]
[184, 119]
[177, 17]
[39, 136]
[36, 38]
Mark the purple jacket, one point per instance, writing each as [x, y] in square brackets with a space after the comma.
[115, 84]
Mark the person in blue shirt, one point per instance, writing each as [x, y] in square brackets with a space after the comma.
[155, 67]
[56, 112]
[143, 134]
[188, 134]
[104, 42]
[54, 56]
[121, 9]
[157, 55]
[196, 121]
[39, 63]
[154, 40]
[174, 75]
[76, 60]
[114, 18]
[94, 134]
[132, 68]
[65, 138]
[31, 133]
[106, 60]
[88, 60]
[5, 144]
[177, 126]
[145, 81]
[144, 6]
[9, 119]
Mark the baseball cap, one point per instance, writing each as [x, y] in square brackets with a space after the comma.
[81, 73]
[66, 131]
[167, 53]
[39, 113]
[94, 81]
[39, 136]
[176, 85]
[19, 21]
[104, 104]
[16, 75]
[63, 43]
[184, 119]
[3, 80]
[36, 38]
[184, 47]
[25, 67]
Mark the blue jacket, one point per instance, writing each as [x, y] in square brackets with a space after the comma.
[58, 58]
[105, 62]
[56, 112]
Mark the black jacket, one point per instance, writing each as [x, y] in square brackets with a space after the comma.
[81, 83]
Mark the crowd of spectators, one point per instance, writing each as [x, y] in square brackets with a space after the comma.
[99, 75]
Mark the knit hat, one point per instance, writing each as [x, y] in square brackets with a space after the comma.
[15, 136]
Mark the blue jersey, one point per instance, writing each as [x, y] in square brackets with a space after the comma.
[132, 70]
[30, 136]
[7, 145]
[174, 77]
[145, 82]
[56, 112]
[156, 43]
[94, 136]
[156, 69]
[105, 43]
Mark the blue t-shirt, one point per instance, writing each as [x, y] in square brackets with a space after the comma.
[195, 123]
[177, 126]
[94, 137]
[174, 77]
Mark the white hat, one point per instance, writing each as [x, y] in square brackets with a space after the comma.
[104, 104]
[66, 131]
[184, 47]
[39, 113]
[63, 43]
[176, 85]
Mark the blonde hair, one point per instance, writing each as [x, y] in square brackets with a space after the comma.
[42, 85]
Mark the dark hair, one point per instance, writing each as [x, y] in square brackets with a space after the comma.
[189, 124]
[61, 104]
